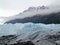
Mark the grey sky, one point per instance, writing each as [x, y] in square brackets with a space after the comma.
[12, 7]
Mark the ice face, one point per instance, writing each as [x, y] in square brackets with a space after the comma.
[19, 28]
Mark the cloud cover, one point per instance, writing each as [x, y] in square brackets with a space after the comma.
[15, 6]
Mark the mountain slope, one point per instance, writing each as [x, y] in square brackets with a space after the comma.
[47, 19]
[40, 14]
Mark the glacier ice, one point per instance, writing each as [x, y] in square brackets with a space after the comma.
[19, 28]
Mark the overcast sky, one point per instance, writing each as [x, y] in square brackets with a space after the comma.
[13, 7]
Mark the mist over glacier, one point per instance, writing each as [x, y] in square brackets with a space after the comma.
[20, 28]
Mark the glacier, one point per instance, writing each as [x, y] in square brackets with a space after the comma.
[20, 28]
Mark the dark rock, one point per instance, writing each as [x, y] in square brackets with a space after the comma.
[24, 43]
[53, 37]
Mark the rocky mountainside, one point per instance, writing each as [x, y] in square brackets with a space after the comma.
[40, 14]
[46, 19]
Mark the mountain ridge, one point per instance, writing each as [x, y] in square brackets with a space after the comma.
[46, 19]
[35, 13]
